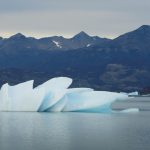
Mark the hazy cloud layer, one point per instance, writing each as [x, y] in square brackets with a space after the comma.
[107, 18]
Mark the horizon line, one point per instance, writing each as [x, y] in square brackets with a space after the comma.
[6, 35]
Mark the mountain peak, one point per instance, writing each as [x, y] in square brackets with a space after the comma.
[18, 36]
[144, 27]
[143, 31]
[82, 34]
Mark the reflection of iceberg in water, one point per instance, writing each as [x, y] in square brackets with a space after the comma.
[54, 96]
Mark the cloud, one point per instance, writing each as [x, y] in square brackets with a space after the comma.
[107, 18]
[58, 5]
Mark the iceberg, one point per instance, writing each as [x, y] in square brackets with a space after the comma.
[56, 96]
[21, 97]
[4, 98]
[129, 110]
[55, 89]
[99, 101]
[134, 93]
[58, 107]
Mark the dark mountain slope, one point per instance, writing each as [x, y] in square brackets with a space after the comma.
[121, 64]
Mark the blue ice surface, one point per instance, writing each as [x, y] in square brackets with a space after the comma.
[56, 96]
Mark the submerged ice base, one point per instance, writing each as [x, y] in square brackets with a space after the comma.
[56, 96]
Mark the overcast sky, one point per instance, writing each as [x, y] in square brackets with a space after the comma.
[105, 18]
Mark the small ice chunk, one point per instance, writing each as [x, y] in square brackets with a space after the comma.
[130, 110]
[133, 93]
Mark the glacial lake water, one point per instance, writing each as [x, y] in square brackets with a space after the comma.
[74, 131]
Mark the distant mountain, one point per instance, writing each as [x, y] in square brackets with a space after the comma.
[51, 43]
[138, 39]
[80, 40]
[121, 64]
[1, 38]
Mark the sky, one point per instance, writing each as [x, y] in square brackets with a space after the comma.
[42, 18]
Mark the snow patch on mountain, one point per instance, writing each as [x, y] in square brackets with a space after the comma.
[88, 45]
[57, 44]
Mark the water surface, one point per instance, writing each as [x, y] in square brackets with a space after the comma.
[74, 131]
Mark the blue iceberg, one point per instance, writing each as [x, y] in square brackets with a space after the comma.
[56, 96]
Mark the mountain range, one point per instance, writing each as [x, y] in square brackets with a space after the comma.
[120, 64]
[80, 40]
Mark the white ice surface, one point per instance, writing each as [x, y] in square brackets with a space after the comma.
[54, 95]
[129, 110]
[29, 102]
[78, 90]
[63, 101]
[4, 98]
[55, 89]
[100, 100]
[19, 90]
[133, 93]
[21, 97]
